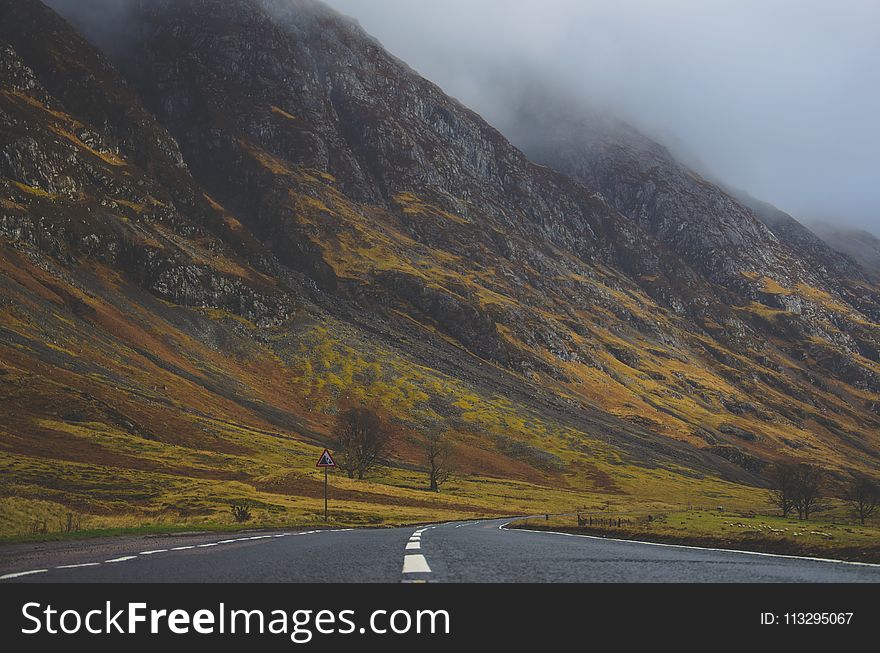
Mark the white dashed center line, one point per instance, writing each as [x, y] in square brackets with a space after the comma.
[415, 564]
[82, 564]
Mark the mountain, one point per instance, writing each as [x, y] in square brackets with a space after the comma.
[742, 245]
[858, 244]
[219, 220]
[722, 232]
[826, 261]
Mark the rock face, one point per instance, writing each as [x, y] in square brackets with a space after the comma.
[270, 165]
[89, 172]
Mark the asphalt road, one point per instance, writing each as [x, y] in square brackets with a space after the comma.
[480, 551]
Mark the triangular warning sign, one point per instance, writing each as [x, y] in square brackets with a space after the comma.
[326, 460]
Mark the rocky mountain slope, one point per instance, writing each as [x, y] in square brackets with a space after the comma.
[762, 254]
[223, 218]
[862, 246]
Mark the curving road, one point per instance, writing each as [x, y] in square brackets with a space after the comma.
[470, 552]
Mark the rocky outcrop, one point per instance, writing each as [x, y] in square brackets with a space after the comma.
[91, 173]
[452, 314]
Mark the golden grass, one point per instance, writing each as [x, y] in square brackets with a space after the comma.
[834, 533]
[282, 112]
[32, 190]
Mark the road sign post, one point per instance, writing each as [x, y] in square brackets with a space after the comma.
[325, 461]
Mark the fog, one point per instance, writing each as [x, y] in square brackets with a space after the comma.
[780, 98]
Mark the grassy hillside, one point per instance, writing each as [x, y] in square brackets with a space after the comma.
[118, 415]
[199, 263]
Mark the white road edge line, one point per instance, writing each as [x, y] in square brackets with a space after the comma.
[122, 559]
[415, 563]
[696, 548]
[18, 574]
[23, 573]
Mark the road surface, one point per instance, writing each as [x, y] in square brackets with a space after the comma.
[481, 551]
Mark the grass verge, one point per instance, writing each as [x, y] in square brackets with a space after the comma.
[825, 538]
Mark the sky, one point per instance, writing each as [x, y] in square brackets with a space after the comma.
[780, 98]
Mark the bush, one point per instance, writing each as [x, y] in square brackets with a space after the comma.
[241, 512]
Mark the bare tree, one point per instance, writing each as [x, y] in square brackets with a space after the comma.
[863, 496]
[438, 454]
[809, 480]
[783, 492]
[796, 486]
[361, 440]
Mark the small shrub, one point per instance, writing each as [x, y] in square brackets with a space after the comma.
[241, 512]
